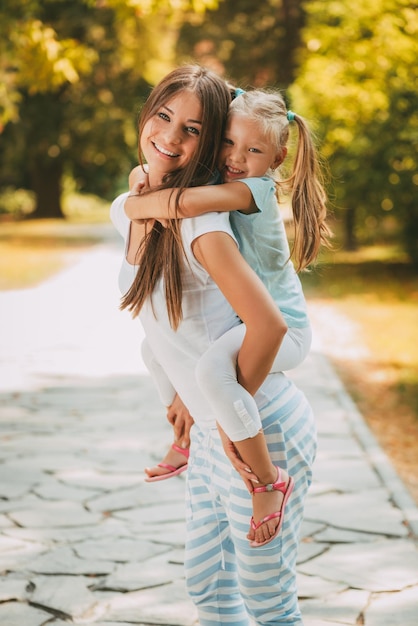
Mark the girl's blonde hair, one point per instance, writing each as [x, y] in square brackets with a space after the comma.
[308, 197]
[161, 250]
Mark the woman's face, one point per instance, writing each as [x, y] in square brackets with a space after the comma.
[171, 136]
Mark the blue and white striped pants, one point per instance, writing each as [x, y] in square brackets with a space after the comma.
[228, 580]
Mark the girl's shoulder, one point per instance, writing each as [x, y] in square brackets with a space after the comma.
[263, 191]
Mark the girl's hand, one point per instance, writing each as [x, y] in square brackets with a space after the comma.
[179, 417]
[238, 464]
[138, 179]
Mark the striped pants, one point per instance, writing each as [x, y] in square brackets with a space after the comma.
[227, 580]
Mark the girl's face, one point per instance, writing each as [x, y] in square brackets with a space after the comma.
[171, 136]
[246, 151]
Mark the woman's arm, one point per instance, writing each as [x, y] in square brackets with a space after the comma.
[265, 326]
[194, 201]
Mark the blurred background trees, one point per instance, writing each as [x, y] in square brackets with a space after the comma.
[73, 74]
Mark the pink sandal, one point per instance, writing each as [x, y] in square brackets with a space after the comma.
[173, 471]
[286, 489]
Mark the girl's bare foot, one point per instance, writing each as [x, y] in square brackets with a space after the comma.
[269, 503]
[173, 464]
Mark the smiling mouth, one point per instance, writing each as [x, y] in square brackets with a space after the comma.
[233, 170]
[164, 151]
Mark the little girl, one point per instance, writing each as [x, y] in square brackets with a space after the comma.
[254, 147]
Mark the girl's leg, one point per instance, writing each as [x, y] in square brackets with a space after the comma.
[210, 565]
[294, 349]
[216, 374]
[165, 389]
[176, 458]
[237, 414]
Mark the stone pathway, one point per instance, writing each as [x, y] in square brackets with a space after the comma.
[84, 540]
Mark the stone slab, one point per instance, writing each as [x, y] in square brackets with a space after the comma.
[18, 614]
[390, 565]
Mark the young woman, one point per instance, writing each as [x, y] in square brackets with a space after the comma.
[255, 145]
[186, 300]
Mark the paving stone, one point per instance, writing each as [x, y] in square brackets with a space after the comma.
[340, 535]
[63, 560]
[316, 587]
[13, 588]
[19, 553]
[331, 446]
[352, 512]
[389, 565]
[54, 490]
[67, 594]
[332, 473]
[167, 533]
[27, 501]
[18, 614]
[151, 573]
[15, 481]
[309, 550]
[166, 605]
[345, 607]
[393, 609]
[142, 494]
[55, 514]
[108, 527]
[318, 622]
[95, 479]
[120, 550]
[99, 623]
[169, 512]
[309, 528]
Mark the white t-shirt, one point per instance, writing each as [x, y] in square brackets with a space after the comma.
[206, 313]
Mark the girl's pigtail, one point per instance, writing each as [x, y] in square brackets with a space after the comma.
[308, 199]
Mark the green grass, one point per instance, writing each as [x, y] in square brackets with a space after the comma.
[377, 289]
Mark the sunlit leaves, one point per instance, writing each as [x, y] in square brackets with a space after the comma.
[45, 62]
[359, 79]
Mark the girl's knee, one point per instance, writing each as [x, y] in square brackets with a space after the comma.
[213, 372]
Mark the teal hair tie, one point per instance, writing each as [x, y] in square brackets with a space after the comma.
[290, 116]
[238, 92]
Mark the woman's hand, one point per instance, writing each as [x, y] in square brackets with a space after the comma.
[238, 464]
[179, 417]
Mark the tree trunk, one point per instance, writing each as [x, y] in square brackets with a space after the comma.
[46, 177]
[293, 19]
[350, 242]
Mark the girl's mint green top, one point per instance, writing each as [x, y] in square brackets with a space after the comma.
[263, 243]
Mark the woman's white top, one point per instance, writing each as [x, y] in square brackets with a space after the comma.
[206, 314]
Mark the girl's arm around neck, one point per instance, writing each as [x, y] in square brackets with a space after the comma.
[194, 201]
[265, 326]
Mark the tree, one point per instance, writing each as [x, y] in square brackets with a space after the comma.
[75, 72]
[358, 78]
[253, 43]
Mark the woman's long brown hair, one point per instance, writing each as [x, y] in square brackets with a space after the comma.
[161, 252]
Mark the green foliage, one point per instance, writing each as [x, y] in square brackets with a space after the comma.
[75, 73]
[252, 42]
[359, 79]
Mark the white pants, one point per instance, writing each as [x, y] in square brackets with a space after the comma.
[216, 375]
